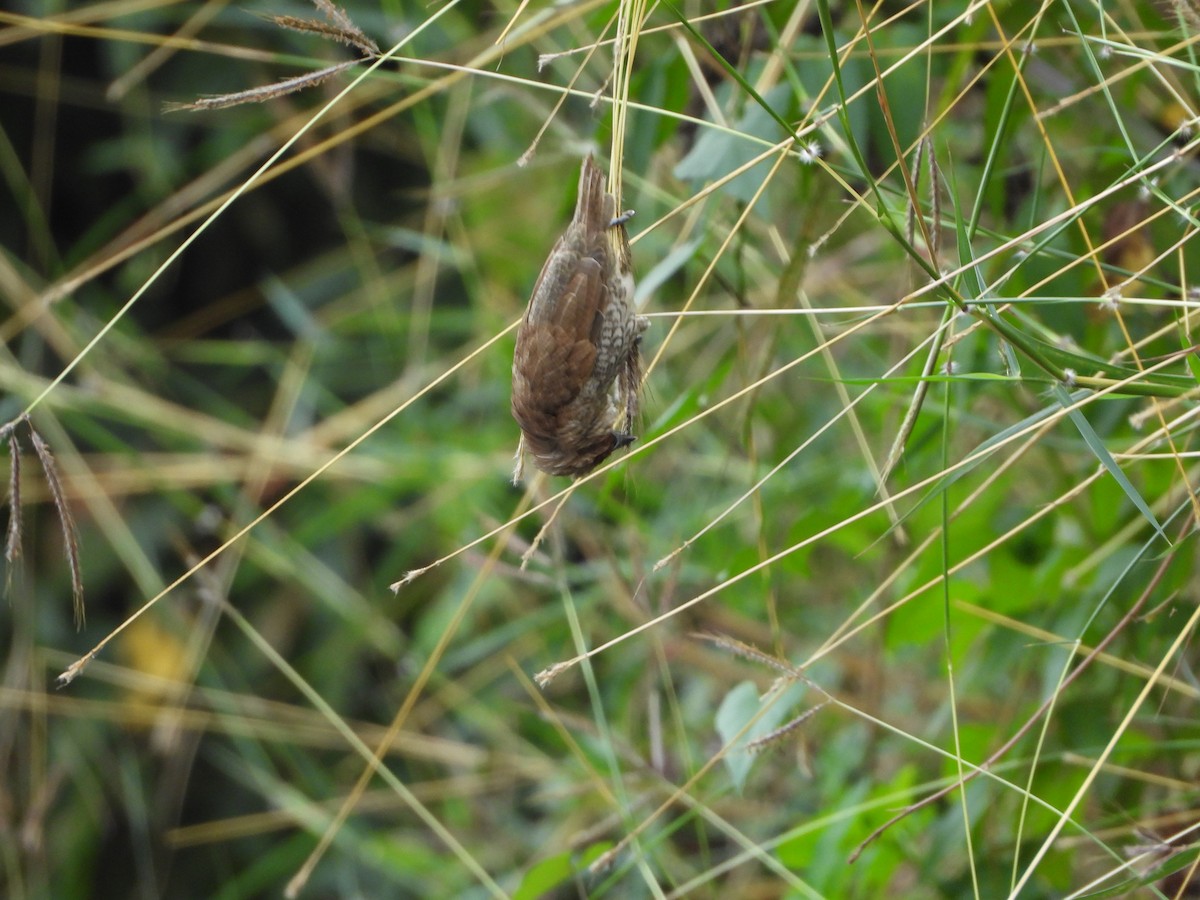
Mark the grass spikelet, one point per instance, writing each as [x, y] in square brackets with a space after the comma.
[746, 651]
[12, 543]
[264, 92]
[773, 737]
[351, 37]
[65, 519]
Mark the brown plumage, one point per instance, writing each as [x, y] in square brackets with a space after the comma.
[576, 369]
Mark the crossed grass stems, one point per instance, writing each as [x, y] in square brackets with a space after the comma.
[1130, 381]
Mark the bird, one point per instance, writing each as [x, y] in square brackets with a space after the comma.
[577, 364]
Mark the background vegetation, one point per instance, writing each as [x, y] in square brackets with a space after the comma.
[913, 493]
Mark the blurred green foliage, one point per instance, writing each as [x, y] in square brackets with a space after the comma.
[358, 295]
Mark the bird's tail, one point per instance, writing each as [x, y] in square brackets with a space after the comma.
[594, 209]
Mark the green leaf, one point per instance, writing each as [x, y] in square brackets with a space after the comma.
[717, 152]
[739, 707]
[664, 269]
[544, 876]
[1096, 445]
[1193, 364]
[1175, 863]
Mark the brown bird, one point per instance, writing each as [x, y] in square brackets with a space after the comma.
[577, 366]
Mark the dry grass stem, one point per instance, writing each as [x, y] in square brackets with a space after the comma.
[281, 364]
